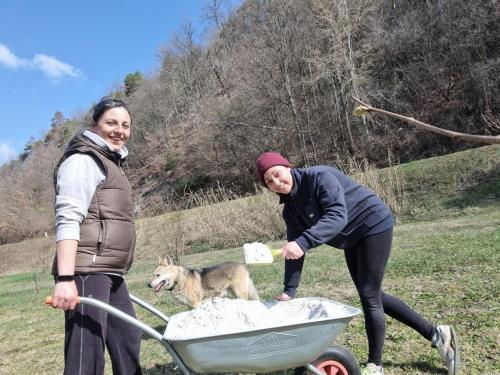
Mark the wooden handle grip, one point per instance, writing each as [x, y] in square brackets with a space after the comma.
[48, 300]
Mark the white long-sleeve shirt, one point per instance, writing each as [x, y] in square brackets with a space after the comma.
[77, 179]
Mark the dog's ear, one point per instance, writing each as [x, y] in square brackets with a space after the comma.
[164, 261]
[171, 260]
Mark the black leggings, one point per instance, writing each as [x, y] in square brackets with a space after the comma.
[366, 263]
[90, 329]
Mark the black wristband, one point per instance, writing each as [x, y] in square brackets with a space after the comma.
[65, 278]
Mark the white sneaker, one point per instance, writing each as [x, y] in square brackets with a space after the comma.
[372, 369]
[446, 342]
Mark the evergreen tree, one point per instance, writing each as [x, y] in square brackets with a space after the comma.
[132, 82]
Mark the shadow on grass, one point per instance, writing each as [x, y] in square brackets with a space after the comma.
[168, 368]
[160, 329]
[416, 367]
[481, 191]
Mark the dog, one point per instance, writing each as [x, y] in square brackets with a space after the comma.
[192, 286]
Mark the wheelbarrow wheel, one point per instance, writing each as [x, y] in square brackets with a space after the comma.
[336, 360]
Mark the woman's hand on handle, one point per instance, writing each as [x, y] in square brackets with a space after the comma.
[65, 295]
[65, 292]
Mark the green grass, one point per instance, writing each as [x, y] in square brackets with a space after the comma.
[444, 263]
[446, 269]
[446, 186]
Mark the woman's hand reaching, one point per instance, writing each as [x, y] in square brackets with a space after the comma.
[292, 251]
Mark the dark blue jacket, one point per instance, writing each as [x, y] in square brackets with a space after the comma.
[327, 207]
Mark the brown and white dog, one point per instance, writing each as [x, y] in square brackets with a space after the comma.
[192, 286]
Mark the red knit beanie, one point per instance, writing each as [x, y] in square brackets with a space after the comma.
[268, 160]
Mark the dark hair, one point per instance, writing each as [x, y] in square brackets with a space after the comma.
[104, 105]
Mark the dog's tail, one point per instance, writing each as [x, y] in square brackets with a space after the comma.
[252, 291]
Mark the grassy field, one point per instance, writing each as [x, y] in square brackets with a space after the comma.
[446, 269]
[445, 264]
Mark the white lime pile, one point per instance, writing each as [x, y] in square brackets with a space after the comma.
[257, 252]
[223, 315]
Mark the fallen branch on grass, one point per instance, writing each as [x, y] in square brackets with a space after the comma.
[364, 109]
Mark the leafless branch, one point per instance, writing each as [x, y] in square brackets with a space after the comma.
[252, 125]
[492, 122]
[366, 108]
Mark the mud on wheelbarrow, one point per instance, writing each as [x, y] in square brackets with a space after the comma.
[305, 346]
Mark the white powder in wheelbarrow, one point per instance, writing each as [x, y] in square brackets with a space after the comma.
[223, 315]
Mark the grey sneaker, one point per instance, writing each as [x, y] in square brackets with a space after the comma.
[372, 369]
[446, 342]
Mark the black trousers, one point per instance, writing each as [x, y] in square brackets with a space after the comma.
[366, 263]
[89, 330]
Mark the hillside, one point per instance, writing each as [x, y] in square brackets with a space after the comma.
[440, 187]
[446, 186]
[280, 75]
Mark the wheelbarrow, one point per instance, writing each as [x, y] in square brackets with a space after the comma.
[305, 346]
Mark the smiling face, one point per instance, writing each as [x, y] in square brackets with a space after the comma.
[279, 179]
[114, 127]
[165, 276]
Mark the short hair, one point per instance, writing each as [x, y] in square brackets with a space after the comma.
[104, 105]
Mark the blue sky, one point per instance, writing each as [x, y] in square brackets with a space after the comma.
[60, 55]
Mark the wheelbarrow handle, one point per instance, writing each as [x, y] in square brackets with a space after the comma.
[115, 312]
[135, 322]
[48, 300]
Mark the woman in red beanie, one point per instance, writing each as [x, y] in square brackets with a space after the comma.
[324, 206]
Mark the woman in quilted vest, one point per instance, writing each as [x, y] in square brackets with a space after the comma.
[95, 239]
